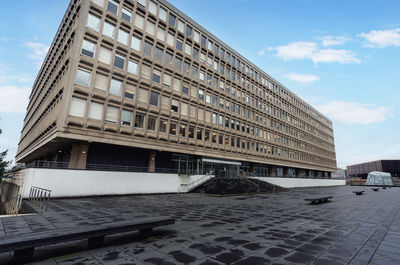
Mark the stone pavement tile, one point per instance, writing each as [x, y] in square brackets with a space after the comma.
[78, 258]
[44, 262]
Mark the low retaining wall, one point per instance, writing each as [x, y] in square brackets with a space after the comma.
[302, 182]
[78, 183]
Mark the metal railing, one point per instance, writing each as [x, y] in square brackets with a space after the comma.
[240, 175]
[40, 197]
[186, 187]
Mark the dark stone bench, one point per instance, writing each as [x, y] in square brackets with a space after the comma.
[375, 189]
[24, 245]
[359, 192]
[319, 200]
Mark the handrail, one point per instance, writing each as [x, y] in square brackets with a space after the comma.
[245, 178]
[40, 197]
[192, 185]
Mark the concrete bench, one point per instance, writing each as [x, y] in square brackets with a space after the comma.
[359, 192]
[375, 189]
[319, 199]
[24, 245]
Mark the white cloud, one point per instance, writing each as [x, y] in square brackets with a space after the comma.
[39, 51]
[301, 78]
[14, 99]
[311, 51]
[296, 50]
[332, 55]
[354, 113]
[333, 40]
[382, 38]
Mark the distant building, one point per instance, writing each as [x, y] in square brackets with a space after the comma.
[339, 174]
[362, 170]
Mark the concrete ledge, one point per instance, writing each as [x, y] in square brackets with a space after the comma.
[302, 182]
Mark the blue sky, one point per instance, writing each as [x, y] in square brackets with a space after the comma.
[342, 57]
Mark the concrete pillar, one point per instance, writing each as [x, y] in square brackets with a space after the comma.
[152, 161]
[78, 155]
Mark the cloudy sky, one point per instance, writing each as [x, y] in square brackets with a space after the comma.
[342, 57]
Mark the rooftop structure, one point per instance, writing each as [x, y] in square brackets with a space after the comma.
[362, 170]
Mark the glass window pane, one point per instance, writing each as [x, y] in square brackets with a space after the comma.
[152, 8]
[77, 107]
[123, 36]
[119, 61]
[132, 67]
[115, 87]
[108, 30]
[88, 48]
[163, 14]
[93, 22]
[111, 114]
[112, 7]
[82, 77]
[101, 82]
[154, 99]
[126, 14]
[95, 111]
[135, 43]
[126, 117]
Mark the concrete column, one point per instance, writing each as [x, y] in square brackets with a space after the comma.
[78, 155]
[152, 161]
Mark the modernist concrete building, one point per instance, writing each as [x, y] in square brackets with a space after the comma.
[385, 165]
[138, 85]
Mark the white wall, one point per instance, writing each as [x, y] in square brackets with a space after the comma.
[302, 182]
[75, 183]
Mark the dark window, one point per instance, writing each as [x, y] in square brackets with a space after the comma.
[168, 59]
[222, 53]
[129, 95]
[172, 128]
[171, 20]
[203, 41]
[139, 120]
[151, 123]
[156, 78]
[228, 57]
[188, 31]
[216, 49]
[154, 99]
[186, 68]
[191, 132]
[163, 126]
[182, 130]
[199, 134]
[185, 90]
[148, 47]
[119, 61]
[174, 108]
[158, 54]
[112, 7]
[179, 45]
[195, 53]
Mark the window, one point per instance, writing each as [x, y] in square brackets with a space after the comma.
[182, 130]
[142, 3]
[82, 77]
[108, 30]
[221, 120]
[214, 137]
[171, 20]
[192, 111]
[123, 36]
[162, 14]
[77, 107]
[143, 95]
[139, 21]
[152, 8]
[158, 54]
[203, 58]
[203, 41]
[167, 80]
[196, 37]
[104, 55]
[168, 59]
[175, 106]
[179, 45]
[187, 49]
[185, 89]
[200, 114]
[130, 91]
[98, 2]
[170, 39]
[199, 134]
[132, 67]
[151, 123]
[139, 121]
[148, 47]
[101, 82]
[193, 91]
[112, 7]
[126, 14]
[186, 68]
[195, 53]
[156, 76]
[194, 72]
[209, 46]
[208, 98]
[115, 87]
[191, 132]
[160, 34]
[216, 49]
[111, 114]
[88, 48]
[126, 117]
[119, 61]
[172, 128]
[164, 102]
[93, 22]
[184, 109]
[188, 31]
[178, 64]
[201, 76]
[150, 28]
[214, 118]
[145, 71]
[207, 135]
[181, 26]
[95, 111]
[154, 99]
[163, 126]
[176, 84]
[201, 94]
[135, 43]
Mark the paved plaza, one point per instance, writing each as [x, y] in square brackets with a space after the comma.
[278, 228]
